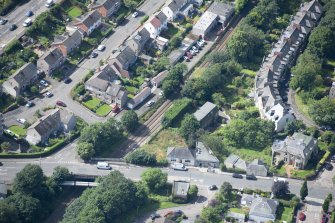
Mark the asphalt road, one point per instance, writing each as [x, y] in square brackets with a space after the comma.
[62, 91]
[17, 17]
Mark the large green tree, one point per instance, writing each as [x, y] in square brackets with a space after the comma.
[85, 150]
[154, 178]
[188, 129]
[323, 112]
[8, 213]
[280, 189]
[27, 206]
[130, 120]
[304, 191]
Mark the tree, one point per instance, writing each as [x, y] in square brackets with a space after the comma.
[141, 157]
[304, 191]
[197, 89]
[280, 189]
[319, 43]
[85, 150]
[188, 128]
[192, 192]
[323, 112]
[170, 88]
[20, 100]
[154, 178]
[325, 205]
[239, 5]
[294, 126]
[27, 206]
[29, 180]
[8, 213]
[60, 174]
[130, 120]
[131, 4]
[34, 89]
[5, 146]
[226, 190]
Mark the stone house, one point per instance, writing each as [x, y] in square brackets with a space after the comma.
[88, 22]
[68, 121]
[207, 114]
[139, 98]
[106, 8]
[257, 168]
[50, 61]
[122, 60]
[138, 40]
[172, 7]
[156, 24]
[69, 41]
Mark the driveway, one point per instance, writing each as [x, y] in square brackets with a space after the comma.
[313, 209]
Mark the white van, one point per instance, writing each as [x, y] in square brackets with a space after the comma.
[27, 22]
[49, 3]
[179, 166]
[103, 166]
[277, 179]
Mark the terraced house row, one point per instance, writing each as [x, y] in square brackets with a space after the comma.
[282, 57]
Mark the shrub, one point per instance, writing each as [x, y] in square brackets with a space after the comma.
[144, 19]
[178, 109]
[141, 157]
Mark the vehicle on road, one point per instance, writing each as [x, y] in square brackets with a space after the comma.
[13, 27]
[49, 3]
[213, 187]
[250, 177]
[48, 94]
[101, 47]
[21, 120]
[1, 164]
[154, 216]
[103, 166]
[3, 21]
[27, 22]
[94, 54]
[151, 102]
[135, 14]
[67, 80]
[277, 179]
[60, 103]
[29, 13]
[30, 104]
[328, 166]
[236, 175]
[179, 166]
[44, 83]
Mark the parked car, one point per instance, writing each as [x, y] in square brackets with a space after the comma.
[49, 3]
[236, 175]
[30, 104]
[29, 13]
[21, 120]
[202, 41]
[27, 22]
[13, 27]
[324, 218]
[101, 47]
[67, 80]
[195, 49]
[44, 83]
[328, 166]
[94, 54]
[135, 14]
[213, 187]
[250, 177]
[48, 94]
[3, 21]
[154, 216]
[189, 55]
[193, 52]
[60, 103]
[332, 159]
[149, 103]
[199, 43]
[1, 164]
[161, 93]
[168, 213]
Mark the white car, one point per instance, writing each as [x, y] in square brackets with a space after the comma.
[195, 49]
[44, 83]
[48, 94]
[193, 52]
[27, 22]
[161, 93]
[21, 120]
[101, 47]
[151, 102]
[135, 14]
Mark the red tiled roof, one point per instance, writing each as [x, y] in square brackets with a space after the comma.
[155, 22]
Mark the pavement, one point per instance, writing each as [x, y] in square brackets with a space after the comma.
[17, 16]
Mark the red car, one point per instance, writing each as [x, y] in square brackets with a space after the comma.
[324, 218]
[302, 216]
[60, 103]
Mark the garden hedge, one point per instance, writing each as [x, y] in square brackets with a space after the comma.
[178, 109]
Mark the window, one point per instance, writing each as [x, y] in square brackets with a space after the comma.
[173, 159]
[187, 161]
[285, 159]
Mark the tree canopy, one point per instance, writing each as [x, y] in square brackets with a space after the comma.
[188, 129]
[129, 120]
[280, 189]
[323, 112]
[154, 178]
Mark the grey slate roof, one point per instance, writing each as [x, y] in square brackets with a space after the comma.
[180, 188]
[161, 17]
[113, 89]
[65, 116]
[159, 77]
[125, 55]
[257, 167]
[231, 159]
[264, 207]
[108, 4]
[25, 74]
[89, 18]
[51, 56]
[221, 9]
[203, 154]
[47, 122]
[204, 110]
[69, 38]
[139, 96]
[178, 152]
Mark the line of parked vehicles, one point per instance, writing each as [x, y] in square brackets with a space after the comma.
[194, 49]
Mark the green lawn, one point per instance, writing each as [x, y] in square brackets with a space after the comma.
[239, 210]
[131, 89]
[74, 12]
[92, 104]
[303, 108]
[104, 110]
[248, 72]
[18, 130]
[169, 32]
[286, 215]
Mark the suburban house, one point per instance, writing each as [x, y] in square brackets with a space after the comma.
[69, 41]
[50, 61]
[204, 157]
[180, 155]
[139, 98]
[138, 40]
[20, 80]
[235, 162]
[281, 58]
[122, 60]
[106, 8]
[103, 86]
[224, 11]
[205, 24]
[1, 124]
[40, 131]
[3, 191]
[295, 150]
[261, 209]
[68, 120]
[332, 91]
[180, 189]
[172, 7]
[159, 78]
[257, 168]
[88, 22]
[156, 24]
[207, 114]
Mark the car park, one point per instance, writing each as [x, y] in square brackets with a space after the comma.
[44, 83]
[250, 177]
[101, 47]
[30, 104]
[186, 58]
[193, 52]
[60, 103]
[3, 21]
[13, 27]
[213, 187]
[189, 55]
[48, 94]
[328, 166]
[149, 103]
[195, 49]
[94, 54]
[21, 120]
[236, 175]
[135, 14]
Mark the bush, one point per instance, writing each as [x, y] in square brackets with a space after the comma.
[141, 157]
[178, 109]
[192, 192]
[144, 19]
